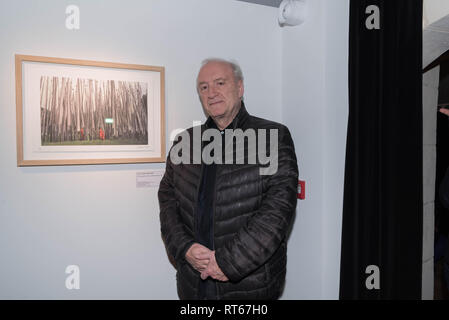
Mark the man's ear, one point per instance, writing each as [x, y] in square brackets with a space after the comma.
[240, 88]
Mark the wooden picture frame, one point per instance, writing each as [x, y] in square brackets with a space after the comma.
[76, 112]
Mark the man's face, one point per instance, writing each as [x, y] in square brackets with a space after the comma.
[219, 93]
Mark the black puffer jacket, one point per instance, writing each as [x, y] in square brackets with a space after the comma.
[252, 214]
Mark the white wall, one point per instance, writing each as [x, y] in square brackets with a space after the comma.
[315, 108]
[303, 112]
[335, 130]
[434, 10]
[430, 109]
[94, 216]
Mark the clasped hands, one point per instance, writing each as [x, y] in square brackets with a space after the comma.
[203, 260]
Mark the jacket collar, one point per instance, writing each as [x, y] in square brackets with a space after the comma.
[238, 122]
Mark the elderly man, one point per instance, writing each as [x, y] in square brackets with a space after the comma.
[225, 223]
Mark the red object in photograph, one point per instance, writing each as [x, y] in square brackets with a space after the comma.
[301, 189]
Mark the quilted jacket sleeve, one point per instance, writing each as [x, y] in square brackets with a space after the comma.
[256, 242]
[177, 240]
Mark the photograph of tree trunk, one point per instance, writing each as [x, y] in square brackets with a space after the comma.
[76, 111]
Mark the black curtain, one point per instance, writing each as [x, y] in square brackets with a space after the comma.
[382, 210]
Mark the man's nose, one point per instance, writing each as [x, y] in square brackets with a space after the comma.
[212, 92]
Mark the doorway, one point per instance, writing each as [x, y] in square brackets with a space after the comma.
[441, 249]
[435, 157]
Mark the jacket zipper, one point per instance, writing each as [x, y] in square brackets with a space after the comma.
[213, 224]
[213, 214]
[195, 210]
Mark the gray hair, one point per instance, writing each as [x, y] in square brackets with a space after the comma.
[236, 70]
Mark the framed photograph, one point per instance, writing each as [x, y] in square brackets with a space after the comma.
[72, 112]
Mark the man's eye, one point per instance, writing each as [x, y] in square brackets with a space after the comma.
[220, 83]
[202, 88]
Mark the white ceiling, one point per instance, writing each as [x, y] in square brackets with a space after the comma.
[435, 40]
[435, 29]
[271, 3]
[434, 10]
